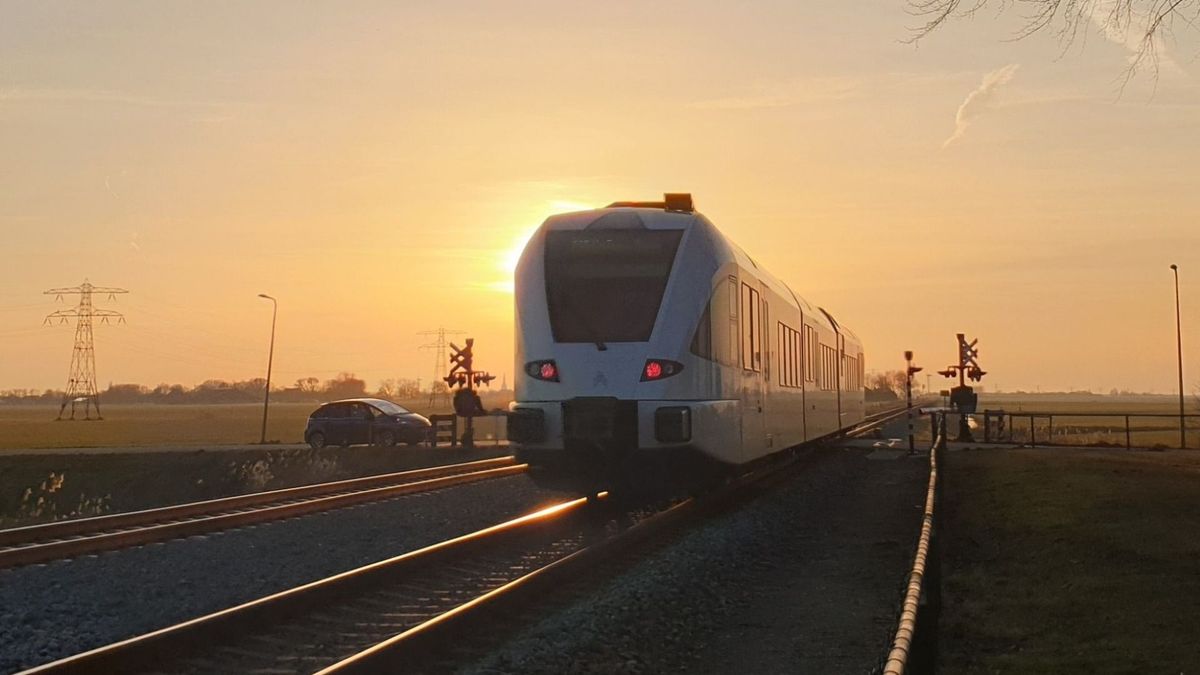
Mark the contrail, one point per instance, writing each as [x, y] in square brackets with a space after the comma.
[980, 100]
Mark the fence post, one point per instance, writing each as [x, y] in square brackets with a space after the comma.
[1032, 433]
[1050, 432]
[1128, 445]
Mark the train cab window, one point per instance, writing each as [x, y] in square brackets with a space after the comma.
[716, 336]
[607, 285]
[702, 340]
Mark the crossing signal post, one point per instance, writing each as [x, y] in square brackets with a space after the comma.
[912, 370]
[466, 379]
[963, 397]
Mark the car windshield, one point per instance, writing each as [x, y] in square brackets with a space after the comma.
[389, 408]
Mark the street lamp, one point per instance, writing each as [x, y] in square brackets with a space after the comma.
[1179, 354]
[270, 358]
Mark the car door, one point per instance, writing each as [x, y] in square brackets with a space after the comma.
[358, 429]
[336, 422]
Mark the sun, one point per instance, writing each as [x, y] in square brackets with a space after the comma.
[508, 262]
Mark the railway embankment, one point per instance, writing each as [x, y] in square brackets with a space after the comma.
[42, 486]
[1070, 560]
[61, 608]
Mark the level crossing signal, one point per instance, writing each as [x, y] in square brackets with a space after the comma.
[462, 371]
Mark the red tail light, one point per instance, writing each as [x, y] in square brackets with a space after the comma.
[657, 369]
[546, 370]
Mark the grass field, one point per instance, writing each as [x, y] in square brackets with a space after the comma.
[25, 426]
[1071, 561]
[33, 426]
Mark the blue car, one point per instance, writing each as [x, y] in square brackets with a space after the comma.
[364, 421]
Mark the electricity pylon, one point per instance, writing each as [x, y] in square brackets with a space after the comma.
[437, 387]
[81, 383]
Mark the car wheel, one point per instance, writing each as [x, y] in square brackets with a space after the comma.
[316, 440]
[387, 439]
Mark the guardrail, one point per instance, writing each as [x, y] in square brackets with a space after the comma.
[1077, 428]
[914, 647]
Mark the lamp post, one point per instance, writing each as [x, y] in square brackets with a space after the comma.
[1179, 355]
[270, 359]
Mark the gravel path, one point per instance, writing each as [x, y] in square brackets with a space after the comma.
[806, 579]
[55, 610]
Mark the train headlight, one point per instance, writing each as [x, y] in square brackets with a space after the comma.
[673, 425]
[546, 370]
[526, 425]
[657, 369]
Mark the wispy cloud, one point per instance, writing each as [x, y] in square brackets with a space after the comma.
[981, 99]
[781, 95]
[1124, 26]
[68, 95]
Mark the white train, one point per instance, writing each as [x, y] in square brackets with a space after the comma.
[649, 347]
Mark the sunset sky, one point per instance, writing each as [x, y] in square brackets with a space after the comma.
[378, 169]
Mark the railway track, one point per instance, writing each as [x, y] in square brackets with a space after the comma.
[80, 536]
[402, 613]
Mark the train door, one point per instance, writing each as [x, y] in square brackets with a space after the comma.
[839, 381]
[804, 374]
[764, 375]
[751, 322]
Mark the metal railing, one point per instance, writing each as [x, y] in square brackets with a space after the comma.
[914, 647]
[1084, 429]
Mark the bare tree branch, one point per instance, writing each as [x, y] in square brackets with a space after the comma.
[1141, 26]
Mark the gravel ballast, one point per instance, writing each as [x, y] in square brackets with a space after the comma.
[51, 611]
[806, 579]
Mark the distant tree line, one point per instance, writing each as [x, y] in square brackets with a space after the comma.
[306, 389]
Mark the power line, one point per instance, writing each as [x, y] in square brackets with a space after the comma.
[437, 386]
[81, 383]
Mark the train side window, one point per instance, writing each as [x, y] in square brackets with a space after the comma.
[732, 352]
[810, 354]
[763, 345]
[780, 338]
[789, 356]
[751, 337]
[795, 345]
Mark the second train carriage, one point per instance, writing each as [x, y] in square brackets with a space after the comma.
[650, 347]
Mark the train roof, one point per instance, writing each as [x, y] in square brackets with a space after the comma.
[677, 211]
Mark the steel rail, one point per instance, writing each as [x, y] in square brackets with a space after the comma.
[68, 538]
[897, 661]
[152, 650]
[873, 420]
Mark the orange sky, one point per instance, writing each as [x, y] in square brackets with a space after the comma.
[376, 169]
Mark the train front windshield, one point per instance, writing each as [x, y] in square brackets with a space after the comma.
[607, 285]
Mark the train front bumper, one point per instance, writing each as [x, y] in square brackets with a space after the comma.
[608, 428]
